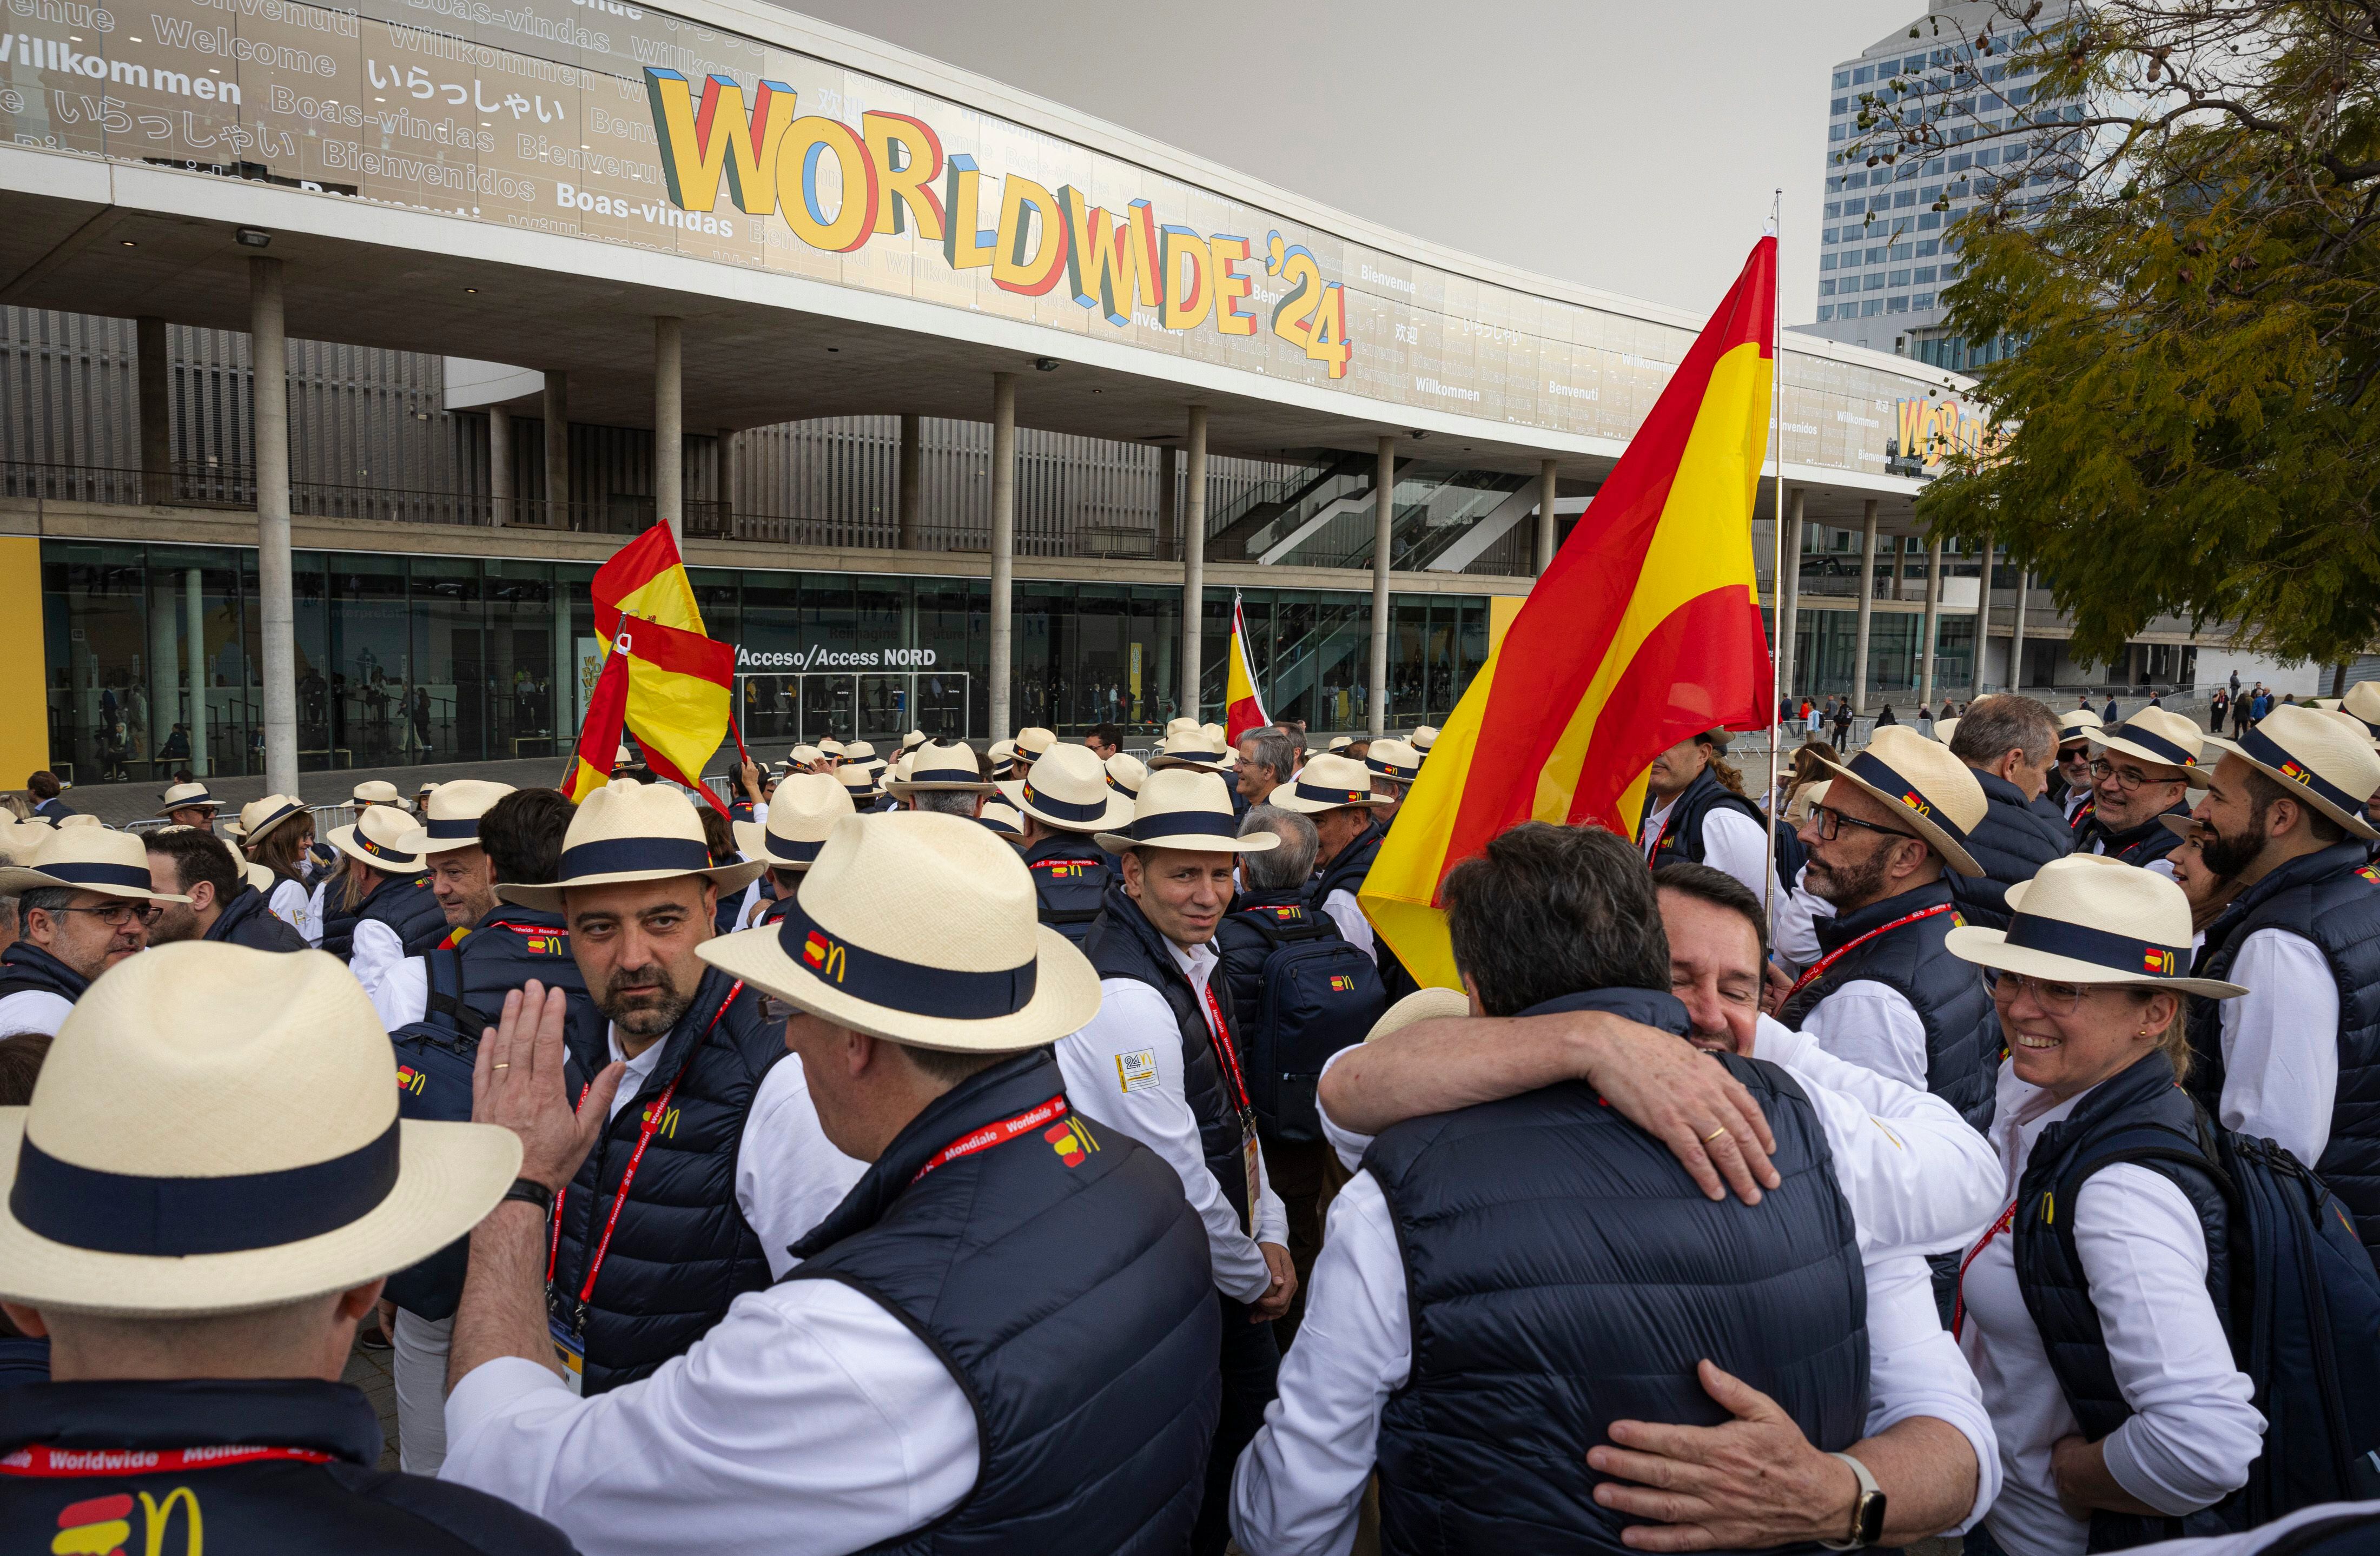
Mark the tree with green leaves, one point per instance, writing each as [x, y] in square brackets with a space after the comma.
[2183, 253]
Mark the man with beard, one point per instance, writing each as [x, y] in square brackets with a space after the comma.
[1882, 993]
[1915, 1177]
[2142, 772]
[2069, 784]
[712, 1162]
[221, 903]
[2296, 1059]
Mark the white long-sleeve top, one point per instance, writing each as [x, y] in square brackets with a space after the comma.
[1341, 909]
[2280, 1043]
[376, 952]
[2265, 1536]
[33, 1009]
[1915, 1177]
[1125, 1070]
[2194, 1432]
[299, 909]
[1874, 1026]
[1734, 845]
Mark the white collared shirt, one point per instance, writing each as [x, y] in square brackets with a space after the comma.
[298, 907]
[1915, 1177]
[1874, 1026]
[1125, 1070]
[33, 1009]
[376, 952]
[1341, 909]
[2280, 1043]
[1734, 845]
[2194, 1432]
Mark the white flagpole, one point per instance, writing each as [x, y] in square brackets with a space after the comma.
[1776, 563]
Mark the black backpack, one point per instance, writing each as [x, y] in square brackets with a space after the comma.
[2303, 1313]
[1317, 993]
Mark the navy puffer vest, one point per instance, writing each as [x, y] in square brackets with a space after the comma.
[1508, 1212]
[1123, 943]
[2143, 845]
[2050, 1270]
[1347, 873]
[248, 919]
[1681, 830]
[407, 904]
[2328, 898]
[503, 952]
[2012, 842]
[682, 1250]
[1070, 880]
[27, 968]
[1063, 1281]
[1963, 1029]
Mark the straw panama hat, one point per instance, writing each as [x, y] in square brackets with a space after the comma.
[215, 1131]
[379, 839]
[627, 831]
[940, 769]
[912, 740]
[1068, 790]
[989, 978]
[1003, 758]
[1126, 772]
[1945, 730]
[18, 839]
[1214, 733]
[1033, 742]
[1903, 769]
[2318, 757]
[2348, 721]
[428, 787]
[1001, 817]
[2158, 735]
[1433, 1004]
[1423, 737]
[2363, 703]
[113, 864]
[804, 756]
[1187, 749]
[1395, 760]
[1178, 809]
[377, 791]
[1327, 782]
[451, 819]
[2075, 722]
[260, 816]
[182, 797]
[2089, 919]
[858, 780]
[805, 810]
[1175, 726]
[1798, 810]
[1340, 742]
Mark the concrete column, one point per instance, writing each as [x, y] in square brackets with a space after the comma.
[1169, 478]
[913, 475]
[154, 364]
[1549, 523]
[565, 674]
[500, 467]
[1787, 591]
[1384, 521]
[194, 665]
[1898, 551]
[2016, 641]
[730, 476]
[1983, 614]
[1867, 607]
[1192, 529]
[557, 449]
[278, 611]
[668, 426]
[1926, 636]
[165, 665]
[1004, 549]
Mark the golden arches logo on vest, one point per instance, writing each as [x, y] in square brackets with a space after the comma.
[103, 1525]
[836, 187]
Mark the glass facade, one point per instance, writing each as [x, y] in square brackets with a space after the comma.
[154, 661]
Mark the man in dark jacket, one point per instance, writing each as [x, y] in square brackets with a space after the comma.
[186, 862]
[200, 1326]
[1475, 1230]
[2009, 741]
[1336, 793]
[46, 789]
[2142, 773]
[1065, 803]
[83, 899]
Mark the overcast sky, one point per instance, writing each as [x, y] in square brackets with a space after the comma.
[1629, 146]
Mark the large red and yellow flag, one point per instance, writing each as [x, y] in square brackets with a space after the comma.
[1243, 708]
[679, 683]
[1645, 630]
[598, 732]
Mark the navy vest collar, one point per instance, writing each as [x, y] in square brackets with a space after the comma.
[26, 963]
[2131, 837]
[1845, 928]
[1124, 914]
[1649, 1007]
[709, 996]
[1066, 845]
[1996, 787]
[1354, 861]
[245, 904]
[504, 912]
[2339, 858]
[1008, 1088]
[285, 1412]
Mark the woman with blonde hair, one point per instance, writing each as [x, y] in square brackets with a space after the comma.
[2085, 1309]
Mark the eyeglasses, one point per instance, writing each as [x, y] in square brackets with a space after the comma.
[2057, 999]
[1831, 821]
[2127, 778]
[2079, 754]
[118, 915]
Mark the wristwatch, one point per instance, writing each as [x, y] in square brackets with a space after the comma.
[1867, 1510]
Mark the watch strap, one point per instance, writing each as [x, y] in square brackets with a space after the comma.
[1867, 1489]
[529, 1192]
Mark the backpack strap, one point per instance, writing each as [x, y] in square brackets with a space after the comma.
[443, 966]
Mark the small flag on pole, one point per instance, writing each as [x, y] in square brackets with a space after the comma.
[674, 685]
[1243, 708]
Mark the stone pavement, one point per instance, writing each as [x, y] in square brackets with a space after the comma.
[369, 1371]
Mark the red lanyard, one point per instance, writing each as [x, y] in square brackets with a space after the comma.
[1817, 970]
[1221, 1036]
[1959, 1300]
[998, 1133]
[653, 1116]
[72, 1463]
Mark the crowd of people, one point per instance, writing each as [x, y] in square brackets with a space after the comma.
[997, 1150]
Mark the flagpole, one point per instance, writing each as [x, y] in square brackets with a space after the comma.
[1777, 562]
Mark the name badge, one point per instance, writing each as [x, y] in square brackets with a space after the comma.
[570, 1351]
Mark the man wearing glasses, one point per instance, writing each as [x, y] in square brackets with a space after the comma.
[2142, 773]
[83, 901]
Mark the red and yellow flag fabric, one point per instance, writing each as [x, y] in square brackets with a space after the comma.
[1645, 630]
[599, 734]
[1243, 708]
[677, 683]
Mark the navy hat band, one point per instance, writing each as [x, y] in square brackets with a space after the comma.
[901, 985]
[2128, 955]
[1183, 823]
[2263, 748]
[173, 1218]
[944, 775]
[786, 851]
[1064, 809]
[1902, 792]
[619, 855]
[1323, 795]
[2150, 741]
[96, 872]
[463, 826]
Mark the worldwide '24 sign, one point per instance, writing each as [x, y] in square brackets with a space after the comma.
[895, 178]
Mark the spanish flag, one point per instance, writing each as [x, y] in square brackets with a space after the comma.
[1645, 630]
[1243, 709]
[678, 683]
[598, 732]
